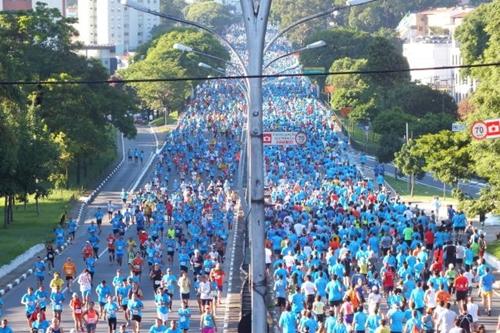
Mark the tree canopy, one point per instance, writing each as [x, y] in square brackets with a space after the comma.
[211, 14]
[161, 60]
[47, 129]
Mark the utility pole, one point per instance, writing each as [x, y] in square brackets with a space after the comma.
[255, 15]
[407, 136]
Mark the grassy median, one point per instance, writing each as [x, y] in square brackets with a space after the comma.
[29, 228]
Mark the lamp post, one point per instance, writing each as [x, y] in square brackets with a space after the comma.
[311, 46]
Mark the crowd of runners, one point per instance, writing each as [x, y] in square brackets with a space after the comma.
[342, 255]
[346, 256]
[179, 222]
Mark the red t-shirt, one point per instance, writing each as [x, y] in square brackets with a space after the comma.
[218, 276]
[429, 237]
[388, 278]
[461, 283]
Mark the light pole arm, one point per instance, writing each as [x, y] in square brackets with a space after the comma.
[312, 17]
[187, 22]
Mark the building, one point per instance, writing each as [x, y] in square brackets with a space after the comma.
[12, 5]
[108, 22]
[428, 41]
[105, 53]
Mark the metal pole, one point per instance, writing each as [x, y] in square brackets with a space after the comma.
[255, 15]
[408, 140]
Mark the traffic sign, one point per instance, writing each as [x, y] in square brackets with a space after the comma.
[284, 138]
[486, 129]
[314, 70]
[458, 127]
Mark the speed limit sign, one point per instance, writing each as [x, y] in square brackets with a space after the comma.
[479, 130]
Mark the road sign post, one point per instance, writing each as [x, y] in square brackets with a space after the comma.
[284, 138]
[486, 129]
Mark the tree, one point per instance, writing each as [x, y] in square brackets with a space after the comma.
[286, 12]
[447, 156]
[211, 14]
[161, 60]
[409, 161]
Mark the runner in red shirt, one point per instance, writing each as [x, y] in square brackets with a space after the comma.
[388, 280]
[111, 247]
[217, 275]
[429, 239]
[461, 284]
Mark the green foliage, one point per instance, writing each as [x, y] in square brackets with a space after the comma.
[211, 14]
[447, 156]
[170, 7]
[162, 61]
[409, 161]
[47, 129]
[286, 12]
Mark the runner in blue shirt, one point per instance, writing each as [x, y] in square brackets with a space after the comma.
[288, 321]
[110, 310]
[29, 302]
[39, 270]
[184, 317]
[158, 327]
[4, 327]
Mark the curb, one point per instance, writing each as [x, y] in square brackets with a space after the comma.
[86, 202]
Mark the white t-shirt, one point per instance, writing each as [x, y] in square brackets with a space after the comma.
[205, 289]
[473, 310]
[289, 260]
[447, 320]
[456, 330]
[269, 255]
[309, 288]
[470, 278]
[298, 228]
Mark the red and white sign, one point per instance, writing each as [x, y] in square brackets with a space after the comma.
[284, 138]
[486, 129]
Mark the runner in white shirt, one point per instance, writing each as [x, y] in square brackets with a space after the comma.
[308, 288]
[269, 258]
[446, 319]
[298, 228]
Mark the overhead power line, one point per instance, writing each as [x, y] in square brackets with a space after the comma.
[239, 77]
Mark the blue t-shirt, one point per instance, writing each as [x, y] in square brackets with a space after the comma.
[360, 321]
[157, 329]
[487, 281]
[396, 317]
[110, 309]
[288, 322]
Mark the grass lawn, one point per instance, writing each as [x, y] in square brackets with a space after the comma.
[494, 248]
[420, 192]
[171, 119]
[28, 228]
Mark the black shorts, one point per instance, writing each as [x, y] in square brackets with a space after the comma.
[28, 315]
[459, 228]
[124, 307]
[170, 253]
[310, 299]
[336, 303]
[136, 318]
[206, 302]
[69, 277]
[280, 301]
[112, 323]
[99, 222]
[461, 295]
[111, 251]
[185, 297]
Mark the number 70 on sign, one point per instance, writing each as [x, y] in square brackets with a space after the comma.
[486, 129]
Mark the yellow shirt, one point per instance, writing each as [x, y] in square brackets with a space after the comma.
[56, 282]
[382, 329]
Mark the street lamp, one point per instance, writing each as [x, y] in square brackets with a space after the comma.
[315, 45]
[185, 48]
